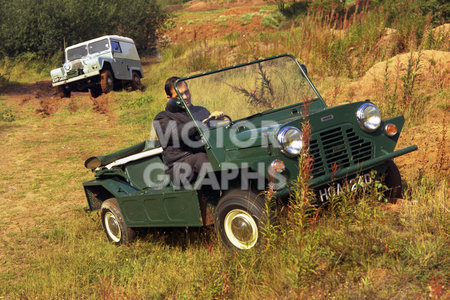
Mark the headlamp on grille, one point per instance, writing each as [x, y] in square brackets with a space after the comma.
[369, 117]
[68, 66]
[290, 139]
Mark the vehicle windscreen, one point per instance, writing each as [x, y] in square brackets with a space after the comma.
[76, 53]
[98, 46]
[253, 88]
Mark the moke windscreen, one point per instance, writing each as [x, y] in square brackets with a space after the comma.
[244, 90]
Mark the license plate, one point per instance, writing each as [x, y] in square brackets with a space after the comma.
[324, 194]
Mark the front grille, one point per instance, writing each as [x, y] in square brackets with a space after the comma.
[74, 73]
[338, 148]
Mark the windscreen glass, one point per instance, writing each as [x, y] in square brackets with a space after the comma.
[98, 46]
[250, 89]
[76, 53]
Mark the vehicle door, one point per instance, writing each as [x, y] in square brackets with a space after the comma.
[120, 68]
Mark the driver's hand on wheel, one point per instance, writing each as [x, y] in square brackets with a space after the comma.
[215, 115]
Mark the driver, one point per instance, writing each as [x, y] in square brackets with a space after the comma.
[183, 152]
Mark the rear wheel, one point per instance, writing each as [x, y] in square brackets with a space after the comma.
[106, 81]
[63, 92]
[136, 81]
[238, 220]
[393, 181]
[114, 223]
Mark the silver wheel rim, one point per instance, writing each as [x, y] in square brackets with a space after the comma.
[241, 229]
[112, 227]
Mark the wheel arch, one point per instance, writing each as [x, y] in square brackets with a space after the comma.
[106, 65]
[138, 71]
[257, 185]
[96, 195]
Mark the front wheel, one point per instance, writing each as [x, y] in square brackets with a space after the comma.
[95, 91]
[63, 92]
[238, 220]
[114, 224]
[106, 81]
[393, 181]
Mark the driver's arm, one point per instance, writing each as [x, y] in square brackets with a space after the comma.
[214, 116]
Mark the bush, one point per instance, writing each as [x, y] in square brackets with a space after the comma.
[6, 114]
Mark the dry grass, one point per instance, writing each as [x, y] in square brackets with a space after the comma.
[50, 248]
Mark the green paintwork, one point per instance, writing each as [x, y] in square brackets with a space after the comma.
[336, 141]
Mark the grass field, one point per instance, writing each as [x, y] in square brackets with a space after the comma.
[359, 247]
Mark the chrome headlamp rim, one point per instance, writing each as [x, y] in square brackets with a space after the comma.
[67, 66]
[363, 122]
[287, 149]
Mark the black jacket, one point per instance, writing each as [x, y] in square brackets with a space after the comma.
[177, 133]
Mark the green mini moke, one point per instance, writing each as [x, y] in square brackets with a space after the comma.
[255, 148]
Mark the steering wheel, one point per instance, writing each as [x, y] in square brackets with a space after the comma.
[211, 118]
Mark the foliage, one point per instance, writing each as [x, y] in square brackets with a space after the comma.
[44, 27]
[439, 10]
[6, 113]
[293, 9]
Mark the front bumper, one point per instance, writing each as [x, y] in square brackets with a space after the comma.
[77, 78]
[352, 170]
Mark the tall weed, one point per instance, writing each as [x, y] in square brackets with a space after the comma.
[401, 93]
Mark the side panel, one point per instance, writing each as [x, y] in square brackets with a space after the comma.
[162, 208]
[126, 59]
[167, 207]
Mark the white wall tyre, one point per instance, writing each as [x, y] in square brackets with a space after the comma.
[241, 229]
[238, 219]
[114, 224]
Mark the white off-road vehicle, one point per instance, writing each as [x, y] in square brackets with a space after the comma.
[99, 65]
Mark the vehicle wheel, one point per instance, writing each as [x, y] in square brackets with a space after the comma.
[63, 92]
[238, 220]
[136, 81]
[114, 224]
[106, 81]
[393, 181]
[95, 91]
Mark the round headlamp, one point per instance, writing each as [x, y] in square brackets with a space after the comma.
[290, 139]
[369, 117]
[67, 66]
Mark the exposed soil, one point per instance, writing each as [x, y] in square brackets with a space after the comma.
[430, 136]
[218, 24]
[44, 97]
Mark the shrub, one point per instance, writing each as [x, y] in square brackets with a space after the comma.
[6, 114]
[43, 27]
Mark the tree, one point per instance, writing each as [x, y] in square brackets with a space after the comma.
[41, 26]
